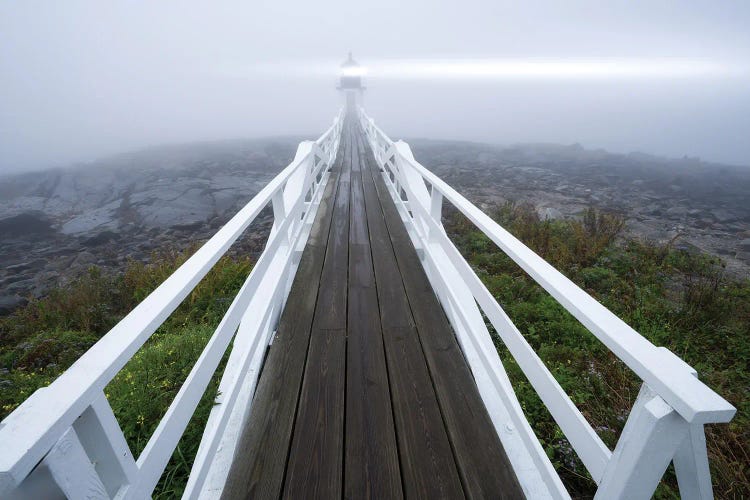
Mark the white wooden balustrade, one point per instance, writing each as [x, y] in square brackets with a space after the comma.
[666, 422]
[65, 441]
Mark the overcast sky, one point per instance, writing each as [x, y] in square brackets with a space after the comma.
[81, 80]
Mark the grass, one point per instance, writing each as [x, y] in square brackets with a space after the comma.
[677, 299]
[38, 342]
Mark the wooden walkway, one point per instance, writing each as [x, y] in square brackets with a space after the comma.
[365, 392]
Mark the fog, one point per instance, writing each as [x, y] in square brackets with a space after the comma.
[81, 80]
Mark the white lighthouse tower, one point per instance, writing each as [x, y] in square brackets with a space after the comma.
[350, 83]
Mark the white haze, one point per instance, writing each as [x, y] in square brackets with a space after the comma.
[80, 80]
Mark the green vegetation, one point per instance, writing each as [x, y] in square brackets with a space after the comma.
[677, 299]
[41, 340]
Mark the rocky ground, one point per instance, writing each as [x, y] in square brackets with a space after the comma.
[707, 205]
[57, 223]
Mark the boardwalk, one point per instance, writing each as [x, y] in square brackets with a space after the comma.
[365, 392]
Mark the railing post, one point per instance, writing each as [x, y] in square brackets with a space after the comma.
[104, 442]
[436, 211]
[90, 459]
[665, 424]
[649, 441]
[72, 469]
[691, 459]
[691, 466]
[279, 212]
[414, 186]
[65, 439]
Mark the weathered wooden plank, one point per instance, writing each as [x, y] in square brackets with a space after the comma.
[261, 456]
[315, 463]
[314, 467]
[427, 463]
[365, 392]
[371, 458]
[482, 462]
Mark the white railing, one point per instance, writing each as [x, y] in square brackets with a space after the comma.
[65, 440]
[666, 422]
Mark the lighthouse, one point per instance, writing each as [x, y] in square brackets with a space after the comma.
[350, 82]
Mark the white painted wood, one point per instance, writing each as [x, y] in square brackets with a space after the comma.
[279, 213]
[588, 445]
[691, 466]
[159, 449]
[493, 383]
[220, 463]
[436, 206]
[100, 434]
[38, 484]
[250, 343]
[30, 431]
[72, 470]
[648, 442]
[678, 395]
[691, 398]
[531, 464]
[209, 445]
[456, 271]
[691, 460]
[664, 424]
[272, 262]
[297, 183]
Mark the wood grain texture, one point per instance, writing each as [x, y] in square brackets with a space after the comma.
[483, 465]
[262, 452]
[371, 458]
[365, 392]
[428, 468]
[315, 460]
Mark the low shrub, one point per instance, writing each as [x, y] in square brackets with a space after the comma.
[682, 300]
[41, 340]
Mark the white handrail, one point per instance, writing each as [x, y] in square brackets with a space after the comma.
[65, 438]
[33, 429]
[666, 375]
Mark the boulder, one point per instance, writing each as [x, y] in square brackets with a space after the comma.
[550, 213]
[8, 303]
